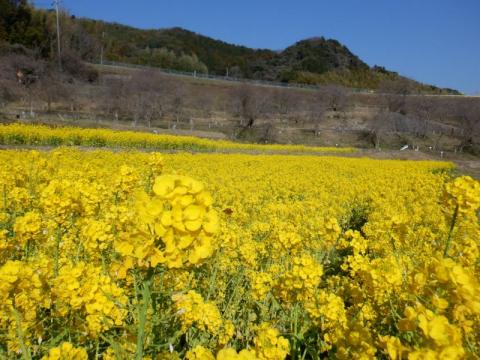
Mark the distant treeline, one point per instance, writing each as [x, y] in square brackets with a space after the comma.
[311, 61]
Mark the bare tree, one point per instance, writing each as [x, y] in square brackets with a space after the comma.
[73, 65]
[204, 104]
[136, 107]
[336, 98]
[144, 96]
[177, 101]
[269, 133]
[468, 115]
[115, 98]
[153, 107]
[422, 108]
[19, 74]
[317, 109]
[379, 125]
[50, 87]
[250, 104]
[10, 82]
[284, 101]
[394, 94]
[437, 136]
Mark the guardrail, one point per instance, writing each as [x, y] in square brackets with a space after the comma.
[207, 76]
[277, 84]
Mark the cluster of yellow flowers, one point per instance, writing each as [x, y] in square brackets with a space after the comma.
[191, 309]
[84, 292]
[175, 226]
[301, 281]
[269, 345]
[66, 351]
[464, 193]
[120, 255]
[22, 134]
[22, 299]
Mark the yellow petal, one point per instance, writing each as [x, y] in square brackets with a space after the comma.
[166, 219]
[185, 241]
[193, 225]
[211, 225]
[192, 212]
[164, 186]
[124, 248]
[160, 230]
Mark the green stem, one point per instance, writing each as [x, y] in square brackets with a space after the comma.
[142, 315]
[25, 351]
[58, 236]
[452, 225]
[212, 281]
[97, 348]
[295, 330]
[5, 197]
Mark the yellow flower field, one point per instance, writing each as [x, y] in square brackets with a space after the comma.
[130, 255]
[22, 134]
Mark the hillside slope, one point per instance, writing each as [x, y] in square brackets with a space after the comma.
[314, 61]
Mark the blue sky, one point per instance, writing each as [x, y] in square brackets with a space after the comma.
[433, 41]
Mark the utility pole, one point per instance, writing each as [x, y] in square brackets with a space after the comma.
[55, 3]
[101, 49]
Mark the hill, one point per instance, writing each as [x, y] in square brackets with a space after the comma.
[312, 61]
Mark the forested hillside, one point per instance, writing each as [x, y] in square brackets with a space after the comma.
[311, 61]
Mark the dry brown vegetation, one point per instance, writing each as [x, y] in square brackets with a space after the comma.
[150, 100]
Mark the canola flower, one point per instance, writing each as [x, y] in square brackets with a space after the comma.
[23, 134]
[131, 255]
[66, 351]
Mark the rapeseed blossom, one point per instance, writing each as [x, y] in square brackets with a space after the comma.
[215, 256]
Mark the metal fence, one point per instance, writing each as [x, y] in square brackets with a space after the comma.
[276, 84]
[207, 76]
